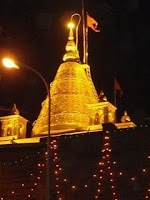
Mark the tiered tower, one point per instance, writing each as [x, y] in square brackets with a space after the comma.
[75, 105]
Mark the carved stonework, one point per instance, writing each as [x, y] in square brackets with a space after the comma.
[71, 91]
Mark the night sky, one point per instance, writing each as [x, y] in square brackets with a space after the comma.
[35, 33]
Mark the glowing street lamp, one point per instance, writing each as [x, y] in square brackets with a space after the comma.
[8, 63]
[71, 25]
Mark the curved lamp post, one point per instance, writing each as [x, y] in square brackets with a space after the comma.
[11, 64]
[72, 25]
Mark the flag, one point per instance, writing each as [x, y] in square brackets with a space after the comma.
[92, 23]
[117, 86]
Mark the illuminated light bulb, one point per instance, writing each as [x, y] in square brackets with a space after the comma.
[55, 154]
[22, 185]
[41, 172]
[46, 153]
[108, 167]
[148, 190]
[144, 170]
[101, 170]
[29, 195]
[114, 193]
[56, 172]
[32, 189]
[43, 165]
[114, 162]
[85, 186]
[65, 180]
[98, 190]
[60, 169]
[148, 157]
[31, 174]
[103, 150]
[71, 25]
[60, 198]
[99, 183]
[57, 186]
[96, 197]
[100, 177]
[57, 179]
[107, 155]
[38, 178]
[12, 192]
[2, 199]
[103, 157]
[58, 192]
[35, 183]
[146, 197]
[133, 179]
[111, 173]
[111, 180]
[94, 175]
[73, 187]
[57, 165]
[112, 186]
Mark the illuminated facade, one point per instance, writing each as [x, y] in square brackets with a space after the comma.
[75, 105]
[13, 125]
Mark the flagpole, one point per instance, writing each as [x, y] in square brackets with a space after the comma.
[84, 36]
[114, 92]
[115, 97]
[86, 45]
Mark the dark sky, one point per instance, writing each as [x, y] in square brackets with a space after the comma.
[35, 33]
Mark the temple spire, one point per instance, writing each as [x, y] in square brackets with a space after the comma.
[14, 110]
[72, 53]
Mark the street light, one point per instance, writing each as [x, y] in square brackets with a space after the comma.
[11, 64]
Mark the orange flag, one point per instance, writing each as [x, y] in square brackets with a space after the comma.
[117, 86]
[92, 23]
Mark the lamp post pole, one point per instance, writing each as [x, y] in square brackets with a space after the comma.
[48, 121]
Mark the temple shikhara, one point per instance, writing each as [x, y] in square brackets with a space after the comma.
[87, 143]
[75, 104]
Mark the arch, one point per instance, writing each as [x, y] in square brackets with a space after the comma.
[96, 119]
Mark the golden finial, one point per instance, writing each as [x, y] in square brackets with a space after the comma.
[14, 110]
[102, 96]
[72, 53]
[125, 118]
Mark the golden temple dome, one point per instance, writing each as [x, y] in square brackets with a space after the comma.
[14, 110]
[102, 96]
[125, 118]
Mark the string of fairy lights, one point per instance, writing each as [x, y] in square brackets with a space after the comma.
[106, 169]
[27, 188]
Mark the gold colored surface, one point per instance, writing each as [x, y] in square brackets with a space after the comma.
[71, 91]
[13, 125]
[14, 110]
[72, 53]
[125, 118]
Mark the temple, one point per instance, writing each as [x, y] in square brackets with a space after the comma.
[92, 156]
[75, 104]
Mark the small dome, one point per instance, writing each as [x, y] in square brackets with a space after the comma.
[72, 53]
[125, 118]
[102, 96]
[14, 110]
